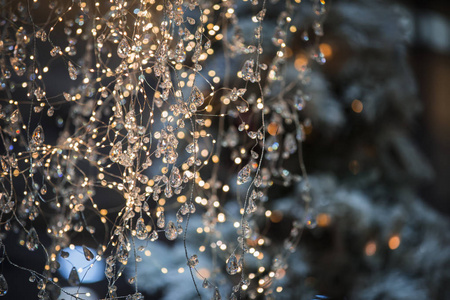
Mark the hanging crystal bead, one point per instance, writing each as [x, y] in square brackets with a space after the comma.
[171, 231]
[244, 174]
[123, 49]
[232, 265]
[32, 240]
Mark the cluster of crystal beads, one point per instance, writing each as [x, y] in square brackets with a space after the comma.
[175, 107]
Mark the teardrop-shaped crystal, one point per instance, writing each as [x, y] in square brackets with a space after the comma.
[32, 241]
[44, 189]
[116, 152]
[51, 111]
[15, 116]
[205, 283]
[141, 230]
[191, 208]
[67, 96]
[161, 221]
[168, 192]
[122, 254]
[190, 20]
[180, 53]
[193, 261]
[74, 278]
[217, 295]
[3, 285]
[251, 208]
[184, 209]
[123, 49]
[175, 177]
[232, 265]
[190, 148]
[196, 97]
[72, 71]
[247, 70]
[171, 231]
[88, 253]
[37, 138]
[154, 236]
[118, 113]
[244, 174]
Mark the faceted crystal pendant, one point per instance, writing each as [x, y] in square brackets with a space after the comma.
[161, 221]
[74, 278]
[43, 189]
[15, 116]
[191, 208]
[171, 231]
[216, 295]
[179, 52]
[32, 241]
[184, 209]
[232, 265]
[196, 97]
[122, 254]
[193, 261]
[3, 285]
[205, 283]
[37, 138]
[118, 112]
[72, 71]
[190, 148]
[123, 49]
[153, 236]
[244, 174]
[247, 70]
[67, 96]
[175, 177]
[116, 152]
[87, 253]
[141, 230]
[168, 191]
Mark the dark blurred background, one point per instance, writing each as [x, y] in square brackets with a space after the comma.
[430, 59]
